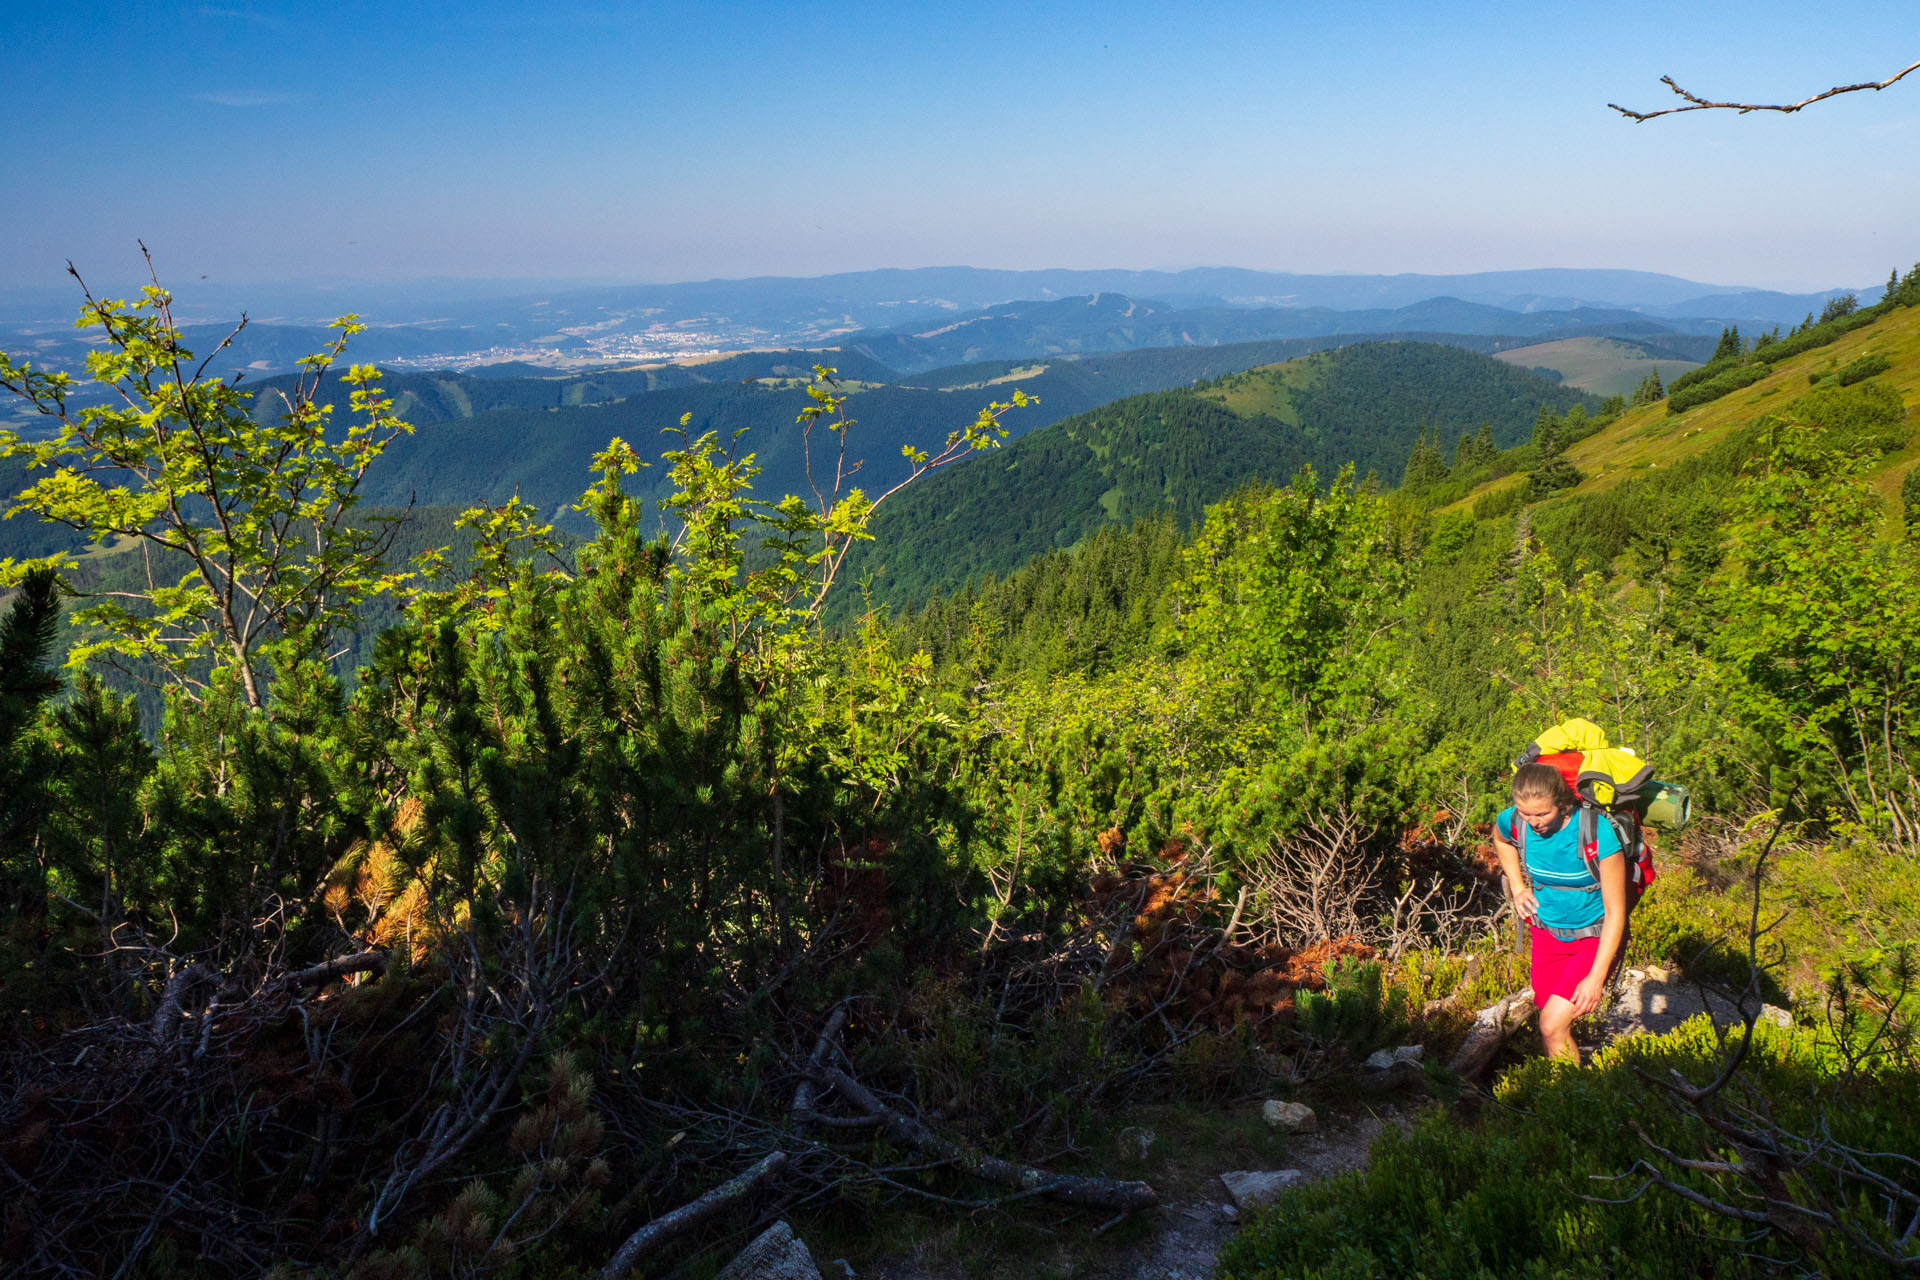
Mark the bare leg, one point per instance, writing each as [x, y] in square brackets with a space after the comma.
[1556, 1029]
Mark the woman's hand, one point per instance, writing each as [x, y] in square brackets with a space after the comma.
[1523, 900]
[1586, 996]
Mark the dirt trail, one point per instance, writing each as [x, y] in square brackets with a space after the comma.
[1190, 1228]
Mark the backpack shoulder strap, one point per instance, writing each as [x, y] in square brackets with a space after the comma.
[1590, 838]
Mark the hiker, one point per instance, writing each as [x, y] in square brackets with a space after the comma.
[1576, 911]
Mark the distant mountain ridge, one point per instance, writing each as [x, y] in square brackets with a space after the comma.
[450, 324]
[1109, 322]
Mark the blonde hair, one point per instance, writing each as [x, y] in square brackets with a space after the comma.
[1543, 782]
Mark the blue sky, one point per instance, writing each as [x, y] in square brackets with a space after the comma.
[277, 142]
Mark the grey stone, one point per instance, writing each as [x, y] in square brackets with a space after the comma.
[1136, 1140]
[1294, 1117]
[1654, 1000]
[1384, 1059]
[775, 1254]
[1252, 1188]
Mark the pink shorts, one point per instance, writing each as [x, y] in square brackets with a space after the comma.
[1559, 967]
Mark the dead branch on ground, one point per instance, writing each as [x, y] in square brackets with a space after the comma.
[870, 1111]
[653, 1236]
[1492, 1027]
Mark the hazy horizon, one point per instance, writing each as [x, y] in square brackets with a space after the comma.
[389, 146]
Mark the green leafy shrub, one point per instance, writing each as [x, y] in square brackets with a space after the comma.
[1544, 1185]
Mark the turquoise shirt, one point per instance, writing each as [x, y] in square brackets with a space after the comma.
[1568, 897]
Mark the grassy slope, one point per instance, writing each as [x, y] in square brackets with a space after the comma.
[1649, 437]
[1603, 366]
[1268, 390]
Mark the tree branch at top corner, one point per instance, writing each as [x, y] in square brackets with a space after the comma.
[1697, 103]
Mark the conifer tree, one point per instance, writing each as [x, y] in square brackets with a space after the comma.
[1837, 308]
[1909, 294]
[1484, 450]
[1548, 434]
[26, 640]
[26, 682]
[1426, 465]
[1574, 425]
[1650, 388]
[1728, 347]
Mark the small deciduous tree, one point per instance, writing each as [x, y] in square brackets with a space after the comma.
[245, 527]
[1824, 633]
[1292, 594]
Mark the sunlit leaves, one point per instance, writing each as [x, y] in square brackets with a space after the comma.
[258, 510]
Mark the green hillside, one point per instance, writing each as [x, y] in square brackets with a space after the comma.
[1177, 451]
[483, 439]
[1649, 438]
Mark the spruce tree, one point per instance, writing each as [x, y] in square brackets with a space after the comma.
[1547, 433]
[26, 641]
[1909, 295]
[1729, 345]
[1426, 465]
[1650, 388]
[27, 766]
[1838, 308]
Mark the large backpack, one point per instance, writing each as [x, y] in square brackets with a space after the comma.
[1612, 783]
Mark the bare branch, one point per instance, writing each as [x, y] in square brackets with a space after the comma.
[1697, 103]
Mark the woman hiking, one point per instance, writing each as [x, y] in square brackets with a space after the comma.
[1576, 911]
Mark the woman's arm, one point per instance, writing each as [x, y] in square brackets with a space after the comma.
[1613, 897]
[1517, 888]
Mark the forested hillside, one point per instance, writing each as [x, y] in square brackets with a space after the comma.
[622, 903]
[1179, 451]
[1106, 322]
